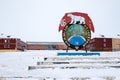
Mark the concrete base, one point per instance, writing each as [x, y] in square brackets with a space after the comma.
[78, 54]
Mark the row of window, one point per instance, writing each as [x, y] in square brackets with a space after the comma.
[104, 45]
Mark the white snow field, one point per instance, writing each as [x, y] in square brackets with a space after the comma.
[46, 65]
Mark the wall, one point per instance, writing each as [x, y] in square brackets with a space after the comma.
[36, 47]
[116, 44]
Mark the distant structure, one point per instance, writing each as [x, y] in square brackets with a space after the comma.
[12, 44]
[45, 46]
[105, 44]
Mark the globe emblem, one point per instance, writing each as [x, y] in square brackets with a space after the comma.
[76, 30]
[76, 36]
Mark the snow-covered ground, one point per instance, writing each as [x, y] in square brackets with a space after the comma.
[14, 66]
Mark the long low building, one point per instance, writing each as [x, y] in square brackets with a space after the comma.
[45, 46]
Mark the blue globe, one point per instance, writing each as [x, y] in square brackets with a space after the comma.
[76, 40]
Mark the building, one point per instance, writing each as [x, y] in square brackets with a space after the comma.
[105, 44]
[46, 46]
[116, 44]
[12, 44]
[101, 44]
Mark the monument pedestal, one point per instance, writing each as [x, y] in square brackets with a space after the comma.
[78, 54]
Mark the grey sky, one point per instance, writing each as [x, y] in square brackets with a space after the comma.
[38, 20]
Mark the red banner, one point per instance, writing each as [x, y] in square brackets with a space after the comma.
[76, 17]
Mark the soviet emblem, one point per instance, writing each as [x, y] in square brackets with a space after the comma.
[76, 30]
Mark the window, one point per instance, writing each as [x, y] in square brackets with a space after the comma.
[5, 46]
[5, 41]
[8, 41]
[104, 45]
[8, 45]
[93, 40]
[104, 40]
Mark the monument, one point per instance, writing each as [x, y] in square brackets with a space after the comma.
[76, 30]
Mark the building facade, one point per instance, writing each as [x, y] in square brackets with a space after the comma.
[101, 44]
[46, 46]
[104, 44]
[12, 44]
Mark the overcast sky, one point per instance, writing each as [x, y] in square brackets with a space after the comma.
[38, 20]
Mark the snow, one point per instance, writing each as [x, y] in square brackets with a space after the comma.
[14, 66]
